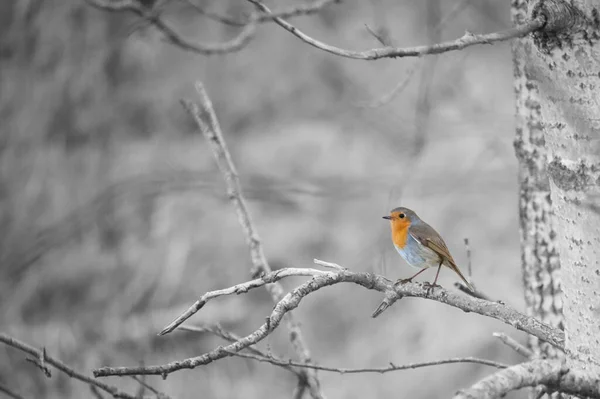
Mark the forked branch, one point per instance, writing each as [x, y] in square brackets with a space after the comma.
[211, 130]
[320, 279]
[467, 40]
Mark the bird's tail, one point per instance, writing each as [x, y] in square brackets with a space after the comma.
[455, 268]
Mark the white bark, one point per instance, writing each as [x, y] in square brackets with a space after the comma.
[566, 69]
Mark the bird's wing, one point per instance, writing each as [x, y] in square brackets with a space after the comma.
[428, 237]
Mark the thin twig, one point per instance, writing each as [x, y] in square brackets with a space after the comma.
[291, 12]
[380, 370]
[328, 264]
[459, 6]
[97, 394]
[231, 337]
[114, 391]
[381, 38]
[513, 344]
[468, 39]
[386, 98]
[40, 362]
[8, 392]
[469, 264]
[260, 265]
[172, 36]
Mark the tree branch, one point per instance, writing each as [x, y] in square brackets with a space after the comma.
[289, 363]
[114, 391]
[231, 337]
[291, 12]
[467, 40]
[322, 279]
[260, 265]
[172, 36]
[379, 370]
[144, 385]
[514, 345]
[550, 373]
[9, 393]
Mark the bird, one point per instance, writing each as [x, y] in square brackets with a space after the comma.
[420, 245]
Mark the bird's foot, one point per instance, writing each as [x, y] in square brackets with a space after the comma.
[430, 287]
[401, 281]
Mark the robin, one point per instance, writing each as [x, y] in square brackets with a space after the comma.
[420, 245]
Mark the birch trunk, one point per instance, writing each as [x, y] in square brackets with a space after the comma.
[539, 254]
[561, 74]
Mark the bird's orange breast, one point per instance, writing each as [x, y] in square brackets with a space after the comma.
[399, 235]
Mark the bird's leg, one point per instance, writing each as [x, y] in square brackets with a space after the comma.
[431, 286]
[408, 280]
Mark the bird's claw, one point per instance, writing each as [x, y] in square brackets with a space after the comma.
[430, 287]
[401, 281]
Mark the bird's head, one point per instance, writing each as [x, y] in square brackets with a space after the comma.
[400, 218]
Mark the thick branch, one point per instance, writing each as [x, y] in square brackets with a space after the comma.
[550, 373]
[260, 265]
[322, 279]
[467, 40]
[114, 391]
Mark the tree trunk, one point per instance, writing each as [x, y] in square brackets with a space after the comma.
[561, 72]
[539, 255]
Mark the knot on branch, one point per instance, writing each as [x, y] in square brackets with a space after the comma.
[558, 15]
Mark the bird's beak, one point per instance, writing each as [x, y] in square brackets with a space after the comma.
[387, 217]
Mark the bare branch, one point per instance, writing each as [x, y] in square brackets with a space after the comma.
[513, 344]
[214, 136]
[291, 12]
[551, 373]
[379, 370]
[299, 390]
[231, 337]
[288, 303]
[149, 387]
[9, 393]
[386, 98]
[96, 392]
[288, 363]
[467, 40]
[40, 362]
[239, 289]
[328, 264]
[152, 16]
[114, 391]
[321, 279]
[382, 36]
[225, 20]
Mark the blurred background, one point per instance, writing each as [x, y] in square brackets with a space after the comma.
[115, 217]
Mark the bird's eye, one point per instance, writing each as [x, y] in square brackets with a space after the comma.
[401, 216]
